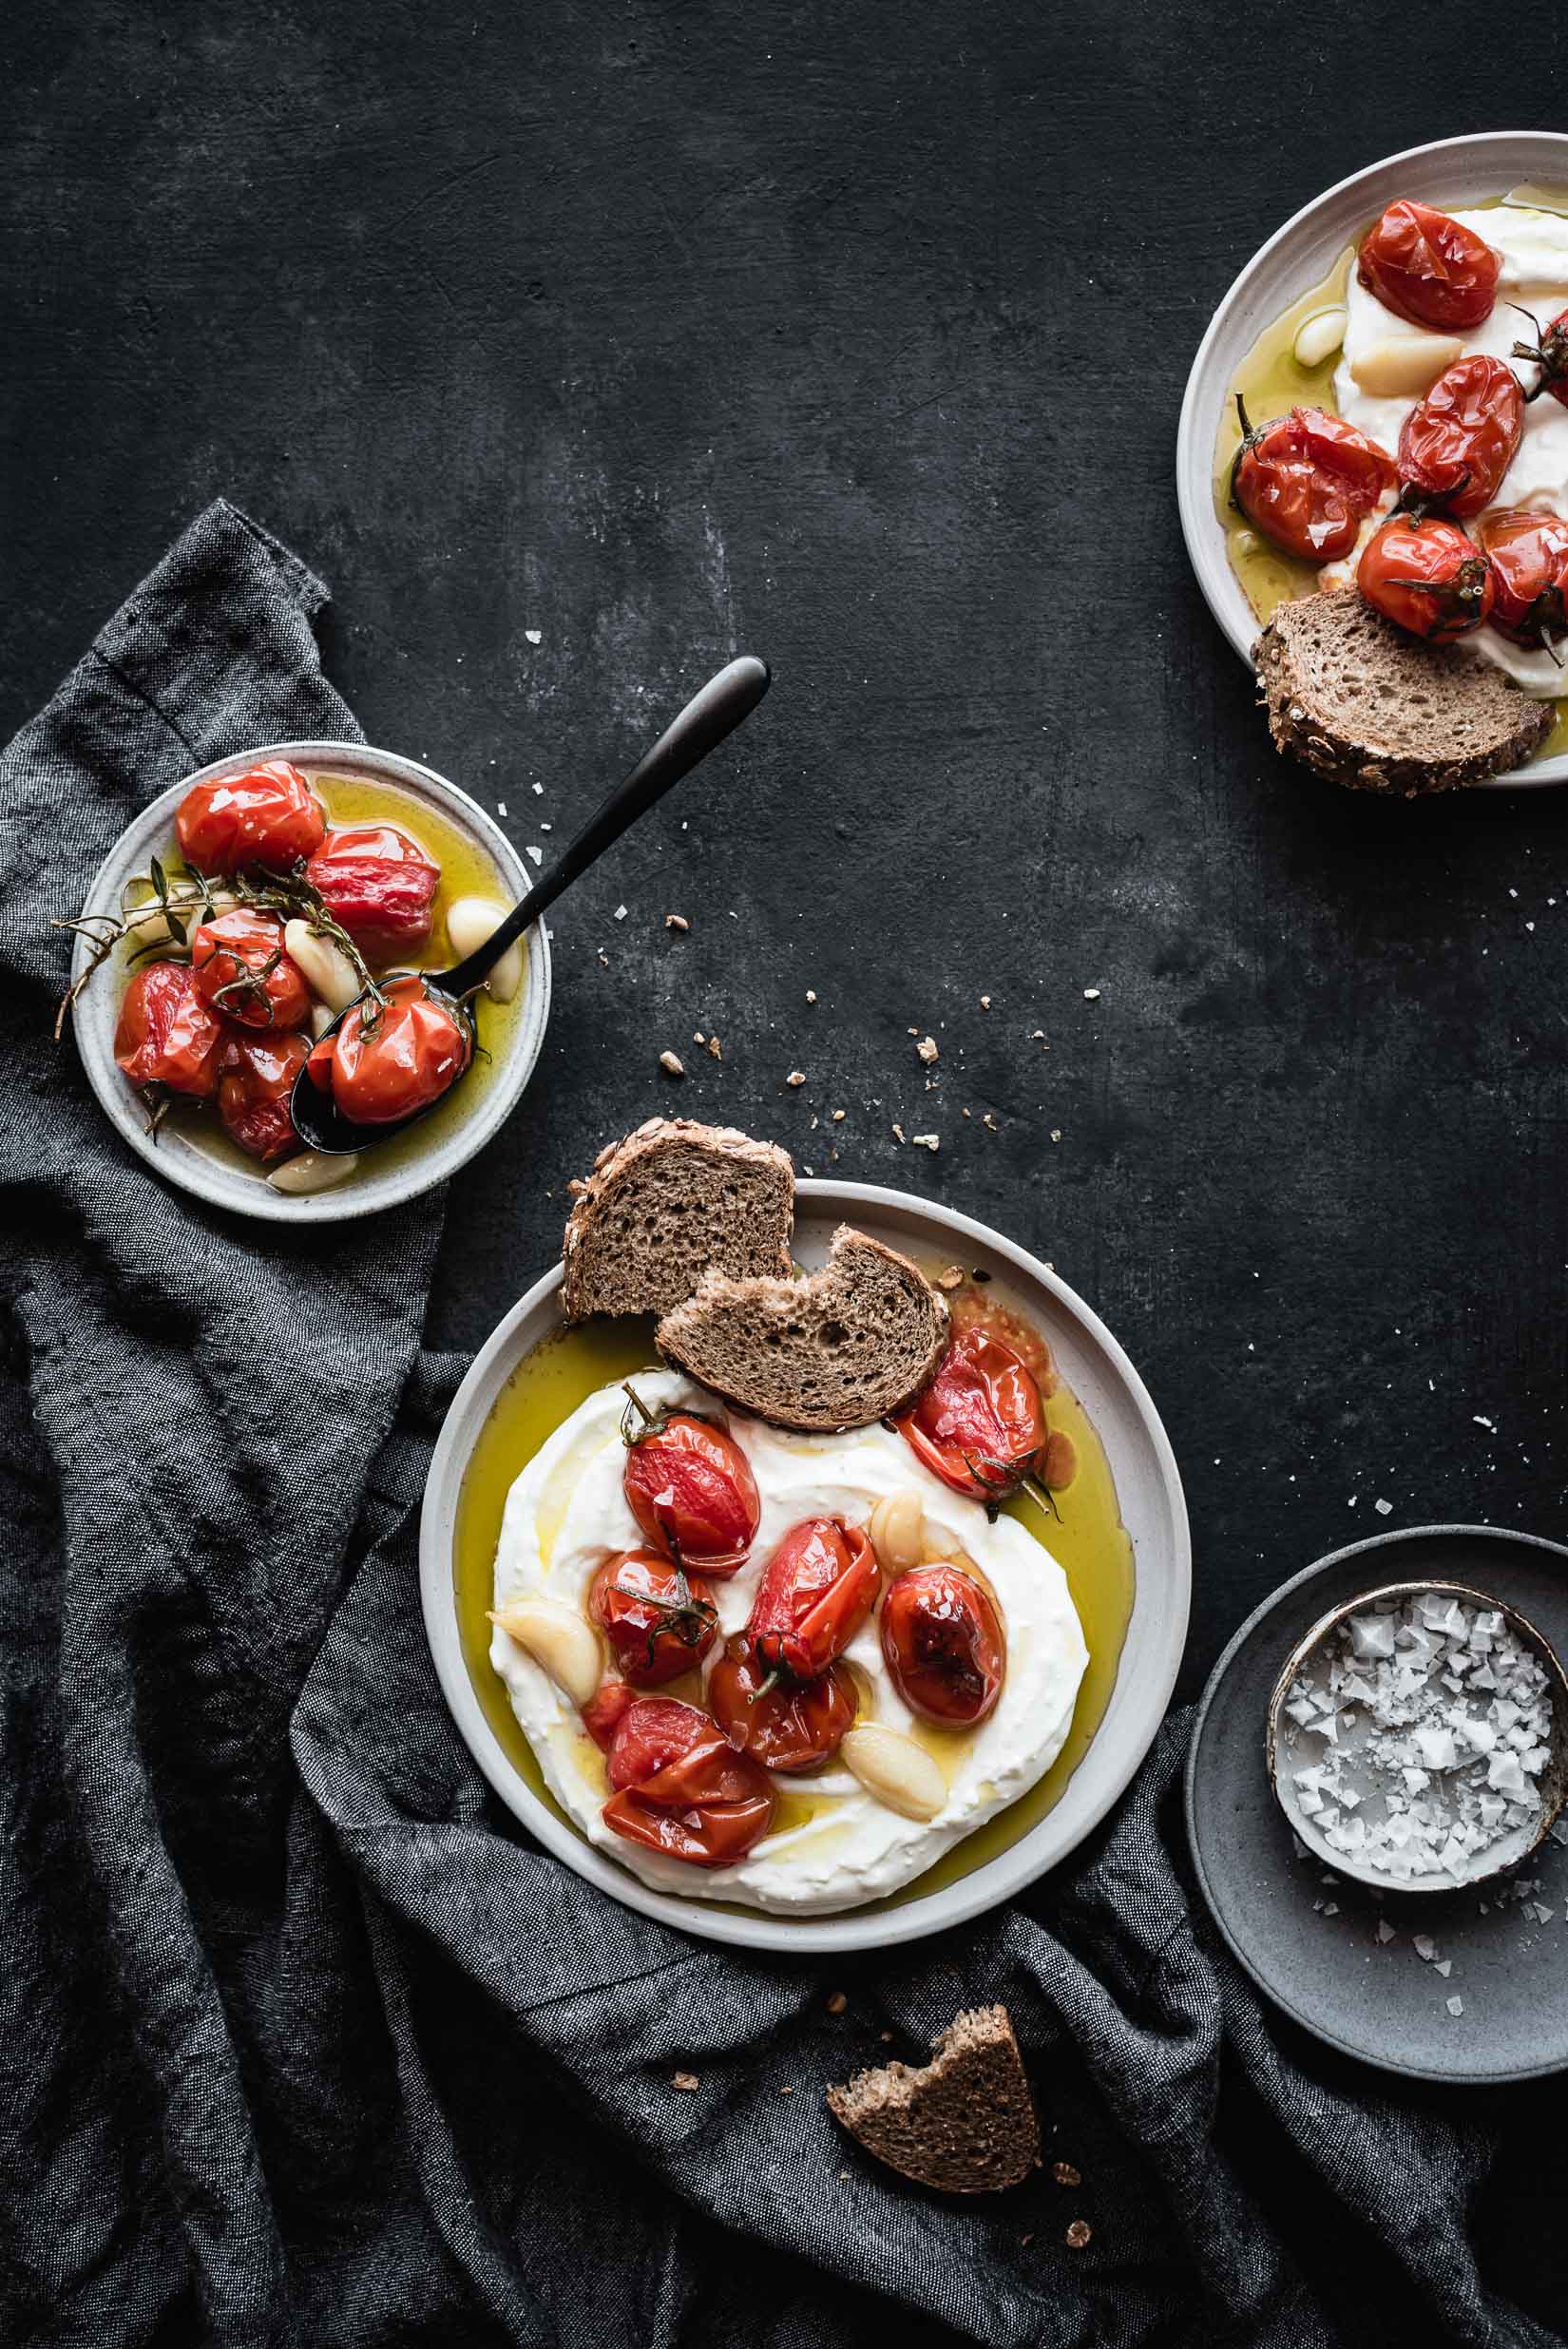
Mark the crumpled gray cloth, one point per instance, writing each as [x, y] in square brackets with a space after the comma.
[301, 2040]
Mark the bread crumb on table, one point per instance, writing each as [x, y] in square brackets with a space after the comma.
[677, 921]
[927, 1141]
[1065, 2174]
[1077, 2234]
[835, 2002]
[928, 1050]
[796, 1077]
[713, 1047]
[672, 1064]
[686, 2081]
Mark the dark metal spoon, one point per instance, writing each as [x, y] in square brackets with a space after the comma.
[717, 711]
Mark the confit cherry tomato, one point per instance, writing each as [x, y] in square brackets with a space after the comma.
[167, 1035]
[604, 1712]
[1550, 352]
[1457, 444]
[255, 1078]
[242, 970]
[681, 1788]
[382, 1067]
[1305, 480]
[794, 1725]
[660, 1622]
[268, 816]
[944, 1645]
[1428, 268]
[816, 1591]
[1429, 577]
[1528, 553]
[979, 1425]
[379, 885]
[690, 1487]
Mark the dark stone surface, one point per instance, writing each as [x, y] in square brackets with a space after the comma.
[856, 338]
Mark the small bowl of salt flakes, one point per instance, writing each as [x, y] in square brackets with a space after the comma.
[1418, 1737]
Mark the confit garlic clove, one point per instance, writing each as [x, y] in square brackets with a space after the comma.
[1403, 366]
[312, 1170]
[469, 922]
[897, 1529]
[145, 923]
[328, 972]
[1319, 336]
[896, 1772]
[562, 1643]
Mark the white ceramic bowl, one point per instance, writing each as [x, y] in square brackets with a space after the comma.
[1451, 173]
[372, 1185]
[1153, 1510]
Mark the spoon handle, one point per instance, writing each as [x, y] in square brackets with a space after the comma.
[717, 711]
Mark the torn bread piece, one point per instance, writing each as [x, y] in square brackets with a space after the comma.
[963, 2124]
[669, 1203]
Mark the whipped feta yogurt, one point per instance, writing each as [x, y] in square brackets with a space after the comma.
[1534, 248]
[832, 1844]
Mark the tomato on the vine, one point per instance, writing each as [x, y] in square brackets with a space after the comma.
[659, 1620]
[1429, 577]
[816, 1591]
[681, 1788]
[1457, 443]
[690, 1487]
[166, 1034]
[384, 1063]
[1428, 268]
[255, 1078]
[268, 816]
[788, 1726]
[944, 1645]
[1305, 480]
[1550, 353]
[979, 1425]
[1528, 553]
[378, 884]
[243, 970]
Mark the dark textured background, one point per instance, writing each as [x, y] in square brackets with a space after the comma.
[854, 338]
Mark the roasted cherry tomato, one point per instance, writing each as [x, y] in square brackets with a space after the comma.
[942, 1642]
[1305, 480]
[1428, 268]
[166, 1034]
[268, 816]
[243, 970]
[1528, 553]
[681, 1788]
[979, 1425]
[659, 1620]
[1457, 444]
[816, 1591]
[256, 1077]
[1550, 352]
[689, 1486]
[383, 1066]
[379, 885]
[1429, 577]
[791, 1726]
[604, 1712]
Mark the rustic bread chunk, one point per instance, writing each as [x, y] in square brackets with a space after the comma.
[1370, 706]
[964, 2124]
[840, 1350]
[666, 1205]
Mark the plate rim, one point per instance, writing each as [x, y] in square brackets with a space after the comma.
[985, 1887]
[1267, 1607]
[187, 1169]
[1195, 469]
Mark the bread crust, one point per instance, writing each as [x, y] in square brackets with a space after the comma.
[616, 1161]
[962, 2124]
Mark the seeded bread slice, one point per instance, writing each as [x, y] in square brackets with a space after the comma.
[1373, 707]
[671, 1202]
[963, 2124]
[840, 1349]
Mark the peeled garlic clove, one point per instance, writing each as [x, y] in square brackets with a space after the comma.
[1320, 335]
[328, 972]
[1401, 366]
[469, 922]
[147, 923]
[895, 1770]
[322, 1016]
[897, 1530]
[561, 1642]
[312, 1170]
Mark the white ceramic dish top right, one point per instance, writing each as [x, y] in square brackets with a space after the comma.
[1452, 174]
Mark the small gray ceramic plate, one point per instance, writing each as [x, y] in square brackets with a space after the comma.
[1153, 1510]
[1379, 1999]
[400, 1170]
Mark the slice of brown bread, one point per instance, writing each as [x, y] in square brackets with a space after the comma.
[667, 1204]
[1370, 706]
[965, 2123]
[840, 1349]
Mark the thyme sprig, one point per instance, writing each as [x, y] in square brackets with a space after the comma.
[685, 1618]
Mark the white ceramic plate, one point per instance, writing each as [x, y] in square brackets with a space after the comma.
[1153, 1510]
[372, 1185]
[1451, 173]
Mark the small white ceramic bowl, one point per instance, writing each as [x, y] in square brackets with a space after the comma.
[378, 1182]
[1153, 1510]
[1451, 173]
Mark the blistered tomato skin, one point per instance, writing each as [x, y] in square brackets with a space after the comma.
[268, 818]
[658, 1621]
[1427, 577]
[793, 1727]
[242, 971]
[1528, 553]
[816, 1591]
[681, 1789]
[385, 1067]
[603, 1713]
[690, 1487]
[944, 1645]
[1306, 479]
[980, 1425]
[255, 1080]
[1428, 269]
[379, 885]
[167, 1035]
[1457, 444]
